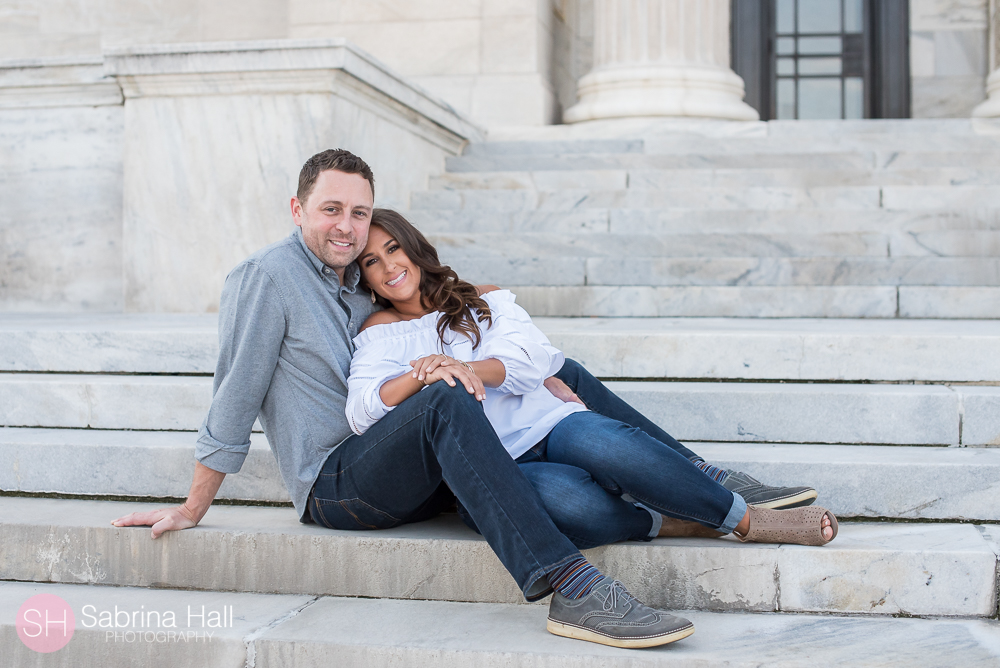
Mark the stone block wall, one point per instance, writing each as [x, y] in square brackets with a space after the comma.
[948, 56]
[43, 28]
[61, 134]
[490, 59]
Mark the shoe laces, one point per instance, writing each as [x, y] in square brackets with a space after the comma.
[616, 592]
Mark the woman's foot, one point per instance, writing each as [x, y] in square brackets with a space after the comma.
[798, 526]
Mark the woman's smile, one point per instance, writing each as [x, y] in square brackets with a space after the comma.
[396, 281]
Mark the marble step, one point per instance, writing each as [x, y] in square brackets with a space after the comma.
[273, 631]
[896, 246]
[151, 464]
[543, 244]
[763, 271]
[787, 349]
[887, 414]
[853, 481]
[644, 179]
[544, 143]
[902, 139]
[838, 301]
[151, 641]
[109, 343]
[481, 264]
[883, 568]
[662, 348]
[484, 265]
[742, 156]
[844, 198]
[687, 221]
[717, 348]
[502, 635]
[689, 136]
[752, 199]
[560, 159]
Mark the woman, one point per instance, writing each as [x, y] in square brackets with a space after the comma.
[600, 480]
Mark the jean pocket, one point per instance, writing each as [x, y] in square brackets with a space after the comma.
[352, 515]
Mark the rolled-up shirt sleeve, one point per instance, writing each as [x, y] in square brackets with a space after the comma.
[555, 355]
[252, 325]
[526, 353]
[374, 363]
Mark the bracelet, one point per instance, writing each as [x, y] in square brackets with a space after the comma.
[467, 366]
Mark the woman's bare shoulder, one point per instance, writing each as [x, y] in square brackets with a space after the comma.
[483, 289]
[381, 318]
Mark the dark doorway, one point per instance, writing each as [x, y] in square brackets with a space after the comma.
[811, 59]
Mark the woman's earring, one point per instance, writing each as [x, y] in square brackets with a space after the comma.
[373, 296]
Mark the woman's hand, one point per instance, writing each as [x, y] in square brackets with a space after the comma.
[425, 365]
[560, 390]
[455, 373]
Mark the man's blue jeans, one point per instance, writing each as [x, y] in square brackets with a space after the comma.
[401, 469]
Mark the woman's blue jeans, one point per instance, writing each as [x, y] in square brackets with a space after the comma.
[589, 462]
[615, 451]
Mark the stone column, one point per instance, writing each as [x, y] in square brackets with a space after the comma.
[991, 107]
[661, 58]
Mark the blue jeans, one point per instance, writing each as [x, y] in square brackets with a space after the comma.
[600, 399]
[589, 462]
[595, 462]
[412, 464]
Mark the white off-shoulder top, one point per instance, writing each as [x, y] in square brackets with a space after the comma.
[521, 410]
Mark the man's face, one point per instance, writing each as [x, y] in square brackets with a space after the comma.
[335, 217]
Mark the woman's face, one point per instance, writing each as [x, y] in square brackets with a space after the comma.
[387, 269]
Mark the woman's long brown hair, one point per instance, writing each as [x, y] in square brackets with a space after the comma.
[440, 287]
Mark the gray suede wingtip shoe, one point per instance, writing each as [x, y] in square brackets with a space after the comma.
[610, 615]
[756, 493]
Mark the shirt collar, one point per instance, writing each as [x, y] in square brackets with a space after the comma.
[352, 275]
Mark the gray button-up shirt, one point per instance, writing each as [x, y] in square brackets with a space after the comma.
[285, 330]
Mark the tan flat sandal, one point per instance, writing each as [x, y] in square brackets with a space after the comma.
[797, 526]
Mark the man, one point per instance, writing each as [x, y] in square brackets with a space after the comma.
[286, 320]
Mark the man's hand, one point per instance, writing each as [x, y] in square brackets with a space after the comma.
[560, 390]
[204, 487]
[164, 519]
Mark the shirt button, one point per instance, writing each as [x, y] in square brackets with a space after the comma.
[326, 270]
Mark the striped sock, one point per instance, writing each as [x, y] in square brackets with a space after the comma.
[575, 579]
[713, 472]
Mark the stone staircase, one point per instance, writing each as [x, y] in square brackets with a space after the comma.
[869, 387]
[877, 219]
[80, 392]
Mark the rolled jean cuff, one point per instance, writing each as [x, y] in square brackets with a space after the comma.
[657, 520]
[736, 514]
[654, 530]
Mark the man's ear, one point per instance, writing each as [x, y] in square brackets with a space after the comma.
[297, 211]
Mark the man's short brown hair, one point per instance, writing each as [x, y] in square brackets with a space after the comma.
[332, 158]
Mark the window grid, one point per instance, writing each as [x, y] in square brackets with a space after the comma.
[851, 55]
